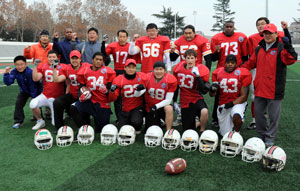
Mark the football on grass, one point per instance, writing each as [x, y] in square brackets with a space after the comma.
[84, 89]
[175, 166]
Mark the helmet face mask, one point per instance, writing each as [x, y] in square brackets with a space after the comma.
[189, 140]
[274, 158]
[171, 139]
[108, 134]
[65, 136]
[208, 142]
[272, 163]
[126, 135]
[85, 135]
[43, 139]
[253, 150]
[231, 144]
[153, 136]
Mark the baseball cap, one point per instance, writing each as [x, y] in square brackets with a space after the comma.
[270, 27]
[230, 58]
[75, 53]
[130, 61]
[44, 32]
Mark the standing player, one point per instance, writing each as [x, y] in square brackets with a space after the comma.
[68, 74]
[193, 83]
[160, 87]
[233, 83]
[97, 78]
[51, 90]
[153, 48]
[253, 41]
[131, 111]
[191, 40]
[223, 44]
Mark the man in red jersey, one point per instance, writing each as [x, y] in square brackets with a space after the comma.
[97, 78]
[223, 44]
[191, 40]
[131, 111]
[159, 87]
[233, 83]
[193, 83]
[253, 41]
[153, 47]
[270, 59]
[51, 90]
[68, 74]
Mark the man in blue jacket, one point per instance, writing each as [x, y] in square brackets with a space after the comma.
[28, 88]
[63, 48]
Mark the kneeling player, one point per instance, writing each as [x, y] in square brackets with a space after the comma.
[193, 83]
[97, 78]
[233, 83]
[131, 111]
[160, 87]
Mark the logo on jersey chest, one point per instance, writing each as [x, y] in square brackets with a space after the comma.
[139, 79]
[237, 72]
[241, 39]
[273, 52]
[103, 71]
[163, 85]
[58, 67]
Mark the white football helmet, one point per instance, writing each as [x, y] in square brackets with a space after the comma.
[171, 139]
[153, 136]
[274, 158]
[43, 139]
[85, 135]
[208, 142]
[108, 135]
[253, 150]
[231, 144]
[126, 135]
[65, 136]
[189, 140]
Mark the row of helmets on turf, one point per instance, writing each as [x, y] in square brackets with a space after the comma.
[230, 146]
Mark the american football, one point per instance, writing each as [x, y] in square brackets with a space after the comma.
[84, 89]
[175, 166]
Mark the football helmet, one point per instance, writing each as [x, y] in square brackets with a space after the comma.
[126, 135]
[153, 136]
[85, 135]
[231, 144]
[208, 142]
[108, 135]
[274, 158]
[189, 140]
[171, 139]
[43, 139]
[65, 136]
[253, 150]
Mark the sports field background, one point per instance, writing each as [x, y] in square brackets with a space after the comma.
[136, 167]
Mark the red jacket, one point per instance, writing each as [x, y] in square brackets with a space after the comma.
[271, 69]
[38, 52]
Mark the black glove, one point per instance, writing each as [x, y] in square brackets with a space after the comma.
[36, 62]
[228, 105]
[213, 88]
[153, 109]
[140, 87]
[55, 63]
[113, 88]
[286, 42]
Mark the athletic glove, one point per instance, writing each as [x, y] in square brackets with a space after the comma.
[140, 87]
[176, 108]
[113, 88]
[229, 105]
[213, 88]
[105, 37]
[153, 109]
[103, 89]
[54, 64]
[36, 62]
[195, 71]
[85, 96]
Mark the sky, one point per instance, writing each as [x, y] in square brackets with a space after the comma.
[247, 11]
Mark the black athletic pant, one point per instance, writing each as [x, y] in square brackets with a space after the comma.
[118, 102]
[133, 117]
[61, 104]
[20, 103]
[216, 104]
[154, 118]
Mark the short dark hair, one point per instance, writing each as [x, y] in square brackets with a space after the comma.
[123, 31]
[190, 52]
[52, 52]
[97, 54]
[159, 64]
[263, 18]
[151, 26]
[93, 29]
[227, 22]
[230, 58]
[189, 27]
[20, 57]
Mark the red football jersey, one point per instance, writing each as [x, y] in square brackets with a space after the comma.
[152, 50]
[50, 88]
[127, 88]
[188, 84]
[70, 73]
[235, 44]
[157, 91]
[254, 39]
[200, 44]
[230, 84]
[94, 80]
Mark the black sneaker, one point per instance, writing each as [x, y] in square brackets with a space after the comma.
[252, 125]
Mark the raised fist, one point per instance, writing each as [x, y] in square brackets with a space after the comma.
[56, 35]
[7, 69]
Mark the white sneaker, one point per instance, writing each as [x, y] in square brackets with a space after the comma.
[39, 124]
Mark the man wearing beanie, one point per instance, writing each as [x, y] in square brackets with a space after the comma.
[270, 60]
[160, 87]
[39, 50]
[233, 84]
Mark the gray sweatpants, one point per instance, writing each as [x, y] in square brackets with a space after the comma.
[267, 131]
